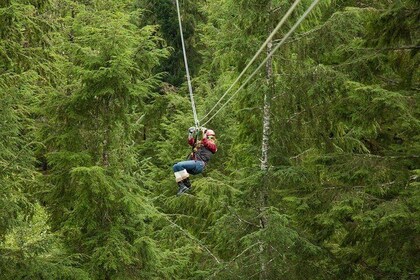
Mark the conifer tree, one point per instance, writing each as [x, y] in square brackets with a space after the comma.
[351, 156]
[317, 170]
[254, 245]
[27, 249]
[163, 13]
[93, 188]
[321, 73]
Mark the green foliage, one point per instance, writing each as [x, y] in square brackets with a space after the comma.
[94, 112]
[92, 189]
[30, 251]
[343, 137]
[16, 159]
[25, 246]
[164, 14]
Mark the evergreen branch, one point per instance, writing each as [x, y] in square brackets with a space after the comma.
[394, 83]
[183, 216]
[19, 153]
[250, 109]
[273, 10]
[235, 258]
[222, 183]
[390, 48]
[302, 153]
[301, 36]
[350, 61]
[376, 156]
[358, 187]
[258, 272]
[189, 235]
[372, 197]
[297, 190]
[291, 117]
[413, 178]
[240, 219]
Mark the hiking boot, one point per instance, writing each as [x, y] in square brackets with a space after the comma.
[182, 188]
[187, 183]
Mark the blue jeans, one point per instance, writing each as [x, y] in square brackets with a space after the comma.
[192, 166]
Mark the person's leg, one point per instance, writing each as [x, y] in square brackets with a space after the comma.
[183, 169]
[182, 188]
[187, 182]
[194, 168]
[198, 167]
[180, 171]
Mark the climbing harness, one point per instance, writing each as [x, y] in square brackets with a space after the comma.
[196, 121]
[314, 3]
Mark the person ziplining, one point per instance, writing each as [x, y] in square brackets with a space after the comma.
[202, 152]
[202, 149]
[206, 147]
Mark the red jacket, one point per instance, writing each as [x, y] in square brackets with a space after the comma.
[203, 150]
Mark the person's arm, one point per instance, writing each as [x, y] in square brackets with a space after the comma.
[209, 144]
[191, 136]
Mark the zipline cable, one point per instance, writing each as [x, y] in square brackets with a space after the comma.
[279, 25]
[314, 3]
[196, 122]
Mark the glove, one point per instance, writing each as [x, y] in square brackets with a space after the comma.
[191, 130]
[199, 133]
[203, 131]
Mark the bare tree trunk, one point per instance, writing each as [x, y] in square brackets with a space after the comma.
[107, 135]
[105, 154]
[266, 115]
[264, 159]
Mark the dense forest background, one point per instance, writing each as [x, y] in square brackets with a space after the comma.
[317, 174]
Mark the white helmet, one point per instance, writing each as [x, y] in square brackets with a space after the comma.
[210, 133]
